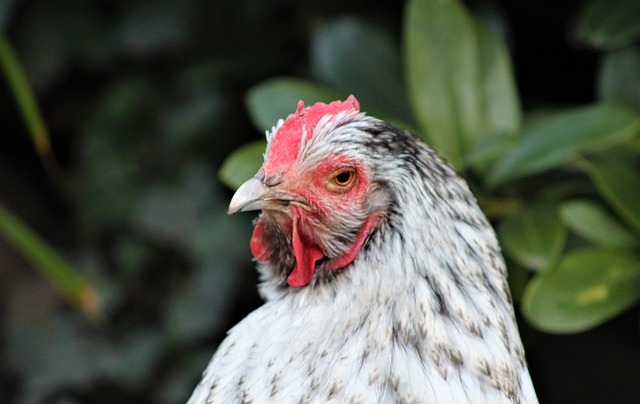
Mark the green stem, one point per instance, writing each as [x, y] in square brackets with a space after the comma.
[54, 267]
[24, 97]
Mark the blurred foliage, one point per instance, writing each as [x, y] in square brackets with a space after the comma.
[24, 96]
[609, 25]
[609, 282]
[465, 104]
[144, 99]
[459, 79]
[60, 273]
[56, 269]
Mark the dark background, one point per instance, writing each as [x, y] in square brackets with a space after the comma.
[143, 100]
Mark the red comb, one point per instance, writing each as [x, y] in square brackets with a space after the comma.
[287, 141]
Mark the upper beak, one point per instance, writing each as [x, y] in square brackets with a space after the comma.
[250, 196]
[254, 195]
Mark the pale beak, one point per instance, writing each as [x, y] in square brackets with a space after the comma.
[255, 195]
[250, 196]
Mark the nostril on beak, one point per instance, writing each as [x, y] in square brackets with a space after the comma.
[269, 182]
[273, 180]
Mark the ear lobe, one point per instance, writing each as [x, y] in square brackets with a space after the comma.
[258, 245]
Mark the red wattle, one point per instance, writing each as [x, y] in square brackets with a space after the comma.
[346, 259]
[306, 256]
[258, 246]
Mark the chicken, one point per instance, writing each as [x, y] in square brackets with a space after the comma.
[383, 280]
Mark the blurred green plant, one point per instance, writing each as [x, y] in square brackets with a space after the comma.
[62, 274]
[24, 97]
[561, 185]
[151, 237]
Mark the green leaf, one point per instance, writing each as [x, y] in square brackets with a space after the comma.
[278, 98]
[590, 221]
[609, 24]
[62, 275]
[534, 237]
[487, 151]
[617, 180]
[499, 100]
[551, 140]
[619, 79]
[242, 164]
[339, 51]
[587, 288]
[460, 81]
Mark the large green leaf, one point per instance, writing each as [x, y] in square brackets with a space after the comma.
[619, 79]
[460, 82]
[590, 221]
[278, 98]
[609, 24]
[551, 140]
[361, 59]
[587, 288]
[534, 236]
[242, 164]
[501, 111]
[616, 178]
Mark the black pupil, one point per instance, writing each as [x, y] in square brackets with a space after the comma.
[344, 177]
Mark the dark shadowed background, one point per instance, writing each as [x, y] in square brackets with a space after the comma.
[143, 100]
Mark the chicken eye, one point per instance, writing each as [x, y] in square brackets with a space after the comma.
[344, 178]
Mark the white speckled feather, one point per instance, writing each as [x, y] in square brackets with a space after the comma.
[421, 315]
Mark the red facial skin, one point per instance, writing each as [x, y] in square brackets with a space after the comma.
[319, 188]
[327, 197]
